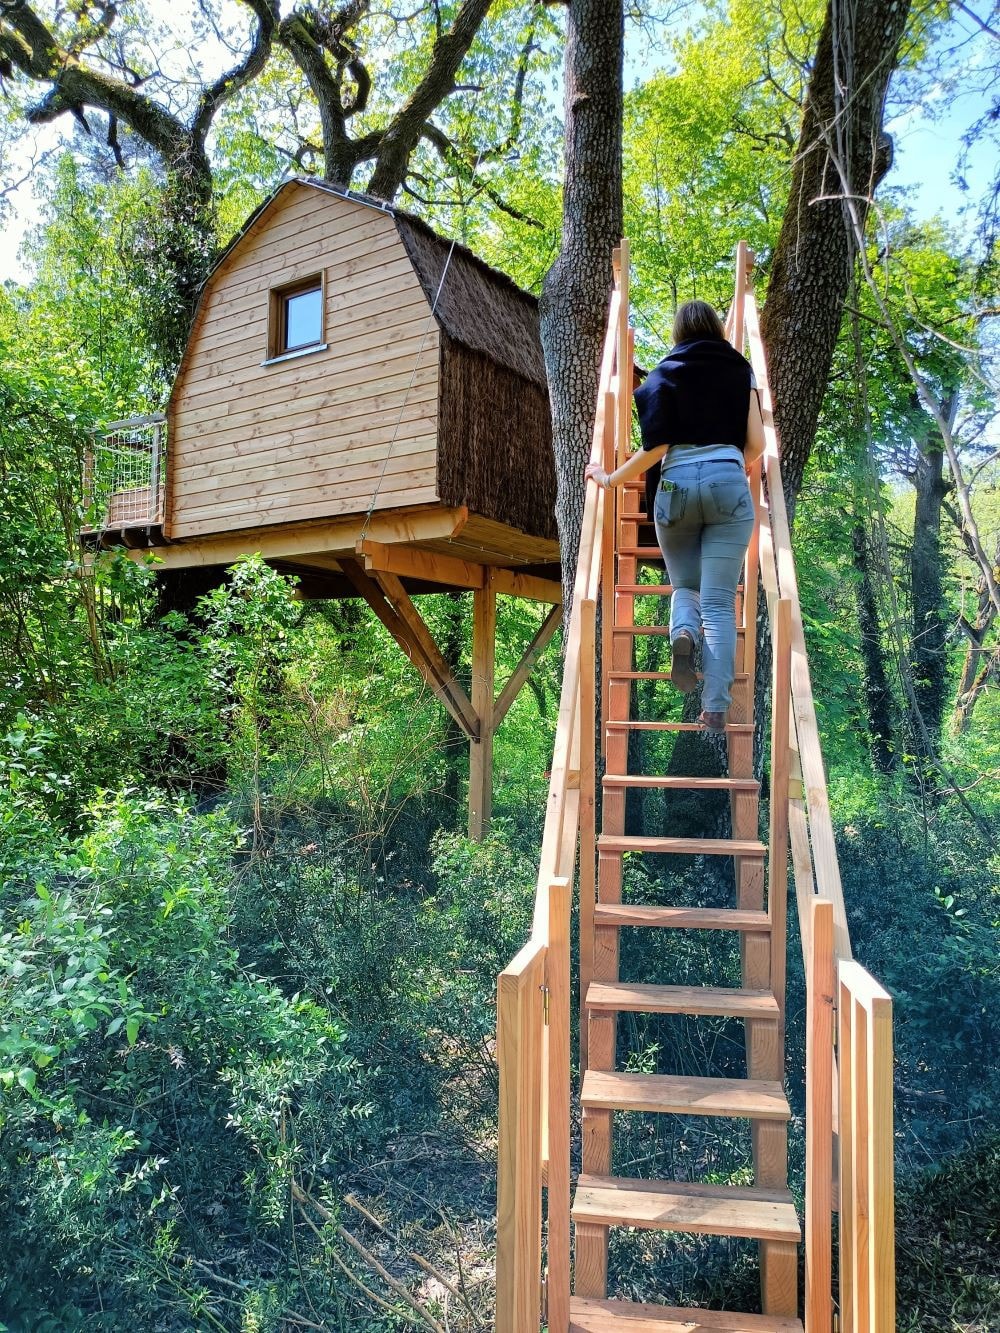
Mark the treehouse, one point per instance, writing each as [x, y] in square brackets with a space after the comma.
[364, 404]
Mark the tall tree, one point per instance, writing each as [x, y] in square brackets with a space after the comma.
[842, 155]
[103, 63]
[577, 287]
[88, 59]
[875, 681]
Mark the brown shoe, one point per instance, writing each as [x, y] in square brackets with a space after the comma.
[713, 721]
[682, 675]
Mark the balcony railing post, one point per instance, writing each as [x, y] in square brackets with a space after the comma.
[89, 499]
[154, 474]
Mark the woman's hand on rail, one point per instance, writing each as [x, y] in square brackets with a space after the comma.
[594, 472]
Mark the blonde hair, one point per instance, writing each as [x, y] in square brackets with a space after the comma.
[697, 319]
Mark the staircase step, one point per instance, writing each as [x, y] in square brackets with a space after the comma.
[658, 629]
[701, 1001]
[669, 1094]
[651, 589]
[652, 675]
[712, 1210]
[641, 552]
[680, 918]
[638, 675]
[642, 629]
[589, 1316]
[619, 842]
[680, 783]
[623, 724]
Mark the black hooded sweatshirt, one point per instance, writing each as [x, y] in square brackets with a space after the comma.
[698, 394]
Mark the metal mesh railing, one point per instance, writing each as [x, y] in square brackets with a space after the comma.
[123, 475]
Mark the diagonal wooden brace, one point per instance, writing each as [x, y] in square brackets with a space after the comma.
[513, 687]
[392, 604]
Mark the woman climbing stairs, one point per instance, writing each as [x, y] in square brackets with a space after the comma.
[553, 1233]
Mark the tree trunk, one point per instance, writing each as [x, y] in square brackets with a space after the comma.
[878, 695]
[929, 628]
[841, 151]
[454, 745]
[576, 289]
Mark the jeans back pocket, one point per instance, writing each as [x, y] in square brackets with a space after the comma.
[731, 497]
[670, 504]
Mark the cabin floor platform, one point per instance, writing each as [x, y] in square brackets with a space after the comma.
[430, 548]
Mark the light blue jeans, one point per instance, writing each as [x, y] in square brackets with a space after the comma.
[703, 524]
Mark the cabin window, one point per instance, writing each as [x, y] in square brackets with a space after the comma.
[296, 323]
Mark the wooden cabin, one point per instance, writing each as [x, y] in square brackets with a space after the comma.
[364, 404]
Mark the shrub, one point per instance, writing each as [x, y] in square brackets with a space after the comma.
[156, 1097]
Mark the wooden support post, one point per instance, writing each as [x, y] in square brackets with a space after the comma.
[859, 1217]
[847, 1064]
[820, 982]
[407, 612]
[558, 1204]
[882, 1280]
[867, 1241]
[484, 636]
[155, 470]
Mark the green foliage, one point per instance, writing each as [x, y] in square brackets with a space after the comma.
[149, 1081]
[947, 1270]
[95, 287]
[934, 947]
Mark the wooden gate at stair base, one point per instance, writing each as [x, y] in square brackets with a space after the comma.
[848, 1084]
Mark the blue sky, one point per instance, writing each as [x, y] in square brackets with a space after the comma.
[927, 142]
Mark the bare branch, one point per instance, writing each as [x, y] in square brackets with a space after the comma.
[971, 13]
[230, 83]
[407, 126]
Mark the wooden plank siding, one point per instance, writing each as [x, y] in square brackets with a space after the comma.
[317, 435]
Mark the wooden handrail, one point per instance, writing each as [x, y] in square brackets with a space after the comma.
[824, 850]
[848, 1084]
[533, 1029]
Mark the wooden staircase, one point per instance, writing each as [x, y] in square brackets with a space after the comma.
[764, 1212]
[552, 1235]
